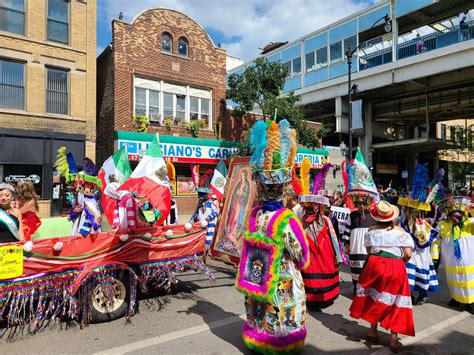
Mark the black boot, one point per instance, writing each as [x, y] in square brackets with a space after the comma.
[470, 308]
[453, 303]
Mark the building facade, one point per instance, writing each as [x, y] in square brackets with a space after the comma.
[47, 90]
[162, 67]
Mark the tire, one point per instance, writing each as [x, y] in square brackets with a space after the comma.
[101, 310]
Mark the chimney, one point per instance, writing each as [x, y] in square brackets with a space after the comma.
[121, 16]
[219, 45]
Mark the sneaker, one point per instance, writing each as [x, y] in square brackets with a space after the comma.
[422, 299]
[470, 308]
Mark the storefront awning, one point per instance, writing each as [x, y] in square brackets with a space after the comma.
[413, 145]
[197, 150]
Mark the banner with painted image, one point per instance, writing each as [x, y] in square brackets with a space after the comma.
[343, 217]
[235, 211]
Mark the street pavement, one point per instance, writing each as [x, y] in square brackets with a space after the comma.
[200, 318]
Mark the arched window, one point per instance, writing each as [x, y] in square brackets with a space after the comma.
[166, 42]
[183, 46]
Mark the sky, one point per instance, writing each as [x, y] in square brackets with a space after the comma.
[241, 26]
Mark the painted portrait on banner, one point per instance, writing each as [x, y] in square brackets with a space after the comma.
[237, 204]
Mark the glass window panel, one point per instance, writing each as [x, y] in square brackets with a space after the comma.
[18, 5]
[58, 31]
[154, 98]
[12, 20]
[309, 58]
[168, 105]
[350, 42]
[322, 56]
[180, 102]
[166, 42]
[205, 106]
[287, 65]
[57, 91]
[12, 88]
[154, 105]
[140, 102]
[336, 51]
[297, 66]
[194, 104]
[58, 10]
[183, 47]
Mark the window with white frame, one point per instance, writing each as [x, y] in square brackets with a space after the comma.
[293, 66]
[199, 108]
[159, 100]
[12, 16]
[322, 57]
[335, 52]
[12, 84]
[317, 59]
[147, 103]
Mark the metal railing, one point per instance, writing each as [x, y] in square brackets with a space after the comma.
[419, 45]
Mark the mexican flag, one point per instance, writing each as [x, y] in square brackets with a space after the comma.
[219, 180]
[119, 166]
[150, 180]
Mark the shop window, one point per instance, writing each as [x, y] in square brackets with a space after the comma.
[16, 172]
[57, 93]
[194, 108]
[199, 108]
[205, 108]
[335, 52]
[166, 43]
[309, 59]
[184, 184]
[183, 47]
[12, 16]
[147, 103]
[321, 57]
[180, 107]
[12, 84]
[58, 21]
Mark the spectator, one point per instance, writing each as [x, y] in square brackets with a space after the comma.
[339, 200]
[419, 44]
[10, 218]
[464, 29]
[27, 203]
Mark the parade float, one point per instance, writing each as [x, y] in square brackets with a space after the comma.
[93, 276]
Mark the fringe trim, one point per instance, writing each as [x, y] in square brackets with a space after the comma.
[271, 344]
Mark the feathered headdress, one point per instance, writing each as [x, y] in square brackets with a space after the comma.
[66, 166]
[273, 148]
[201, 184]
[360, 184]
[437, 188]
[418, 195]
[318, 184]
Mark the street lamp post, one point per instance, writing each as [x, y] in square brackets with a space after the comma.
[349, 54]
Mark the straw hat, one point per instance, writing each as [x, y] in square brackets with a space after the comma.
[384, 212]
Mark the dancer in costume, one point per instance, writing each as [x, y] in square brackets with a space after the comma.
[321, 278]
[126, 209]
[363, 192]
[274, 249]
[420, 268]
[85, 213]
[383, 293]
[206, 211]
[27, 203]
[457, 252]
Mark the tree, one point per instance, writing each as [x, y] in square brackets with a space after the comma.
[261, 85]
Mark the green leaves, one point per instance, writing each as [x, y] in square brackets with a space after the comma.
[261, 86]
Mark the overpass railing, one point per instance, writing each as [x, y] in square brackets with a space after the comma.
[419, 45]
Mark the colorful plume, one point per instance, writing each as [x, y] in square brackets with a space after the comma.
[89, 167]
[171, 171]
[304, 173]
[61, 164]
[419, 183]
[285, 138]
[258, 142]
[195, 174]
[320, 179]
[207, 176]
[273, 144]
[293, 146]
[296, 182]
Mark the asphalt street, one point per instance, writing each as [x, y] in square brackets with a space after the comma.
[200, 318]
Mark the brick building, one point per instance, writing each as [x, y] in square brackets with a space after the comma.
[47, 90]
[163, 65]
